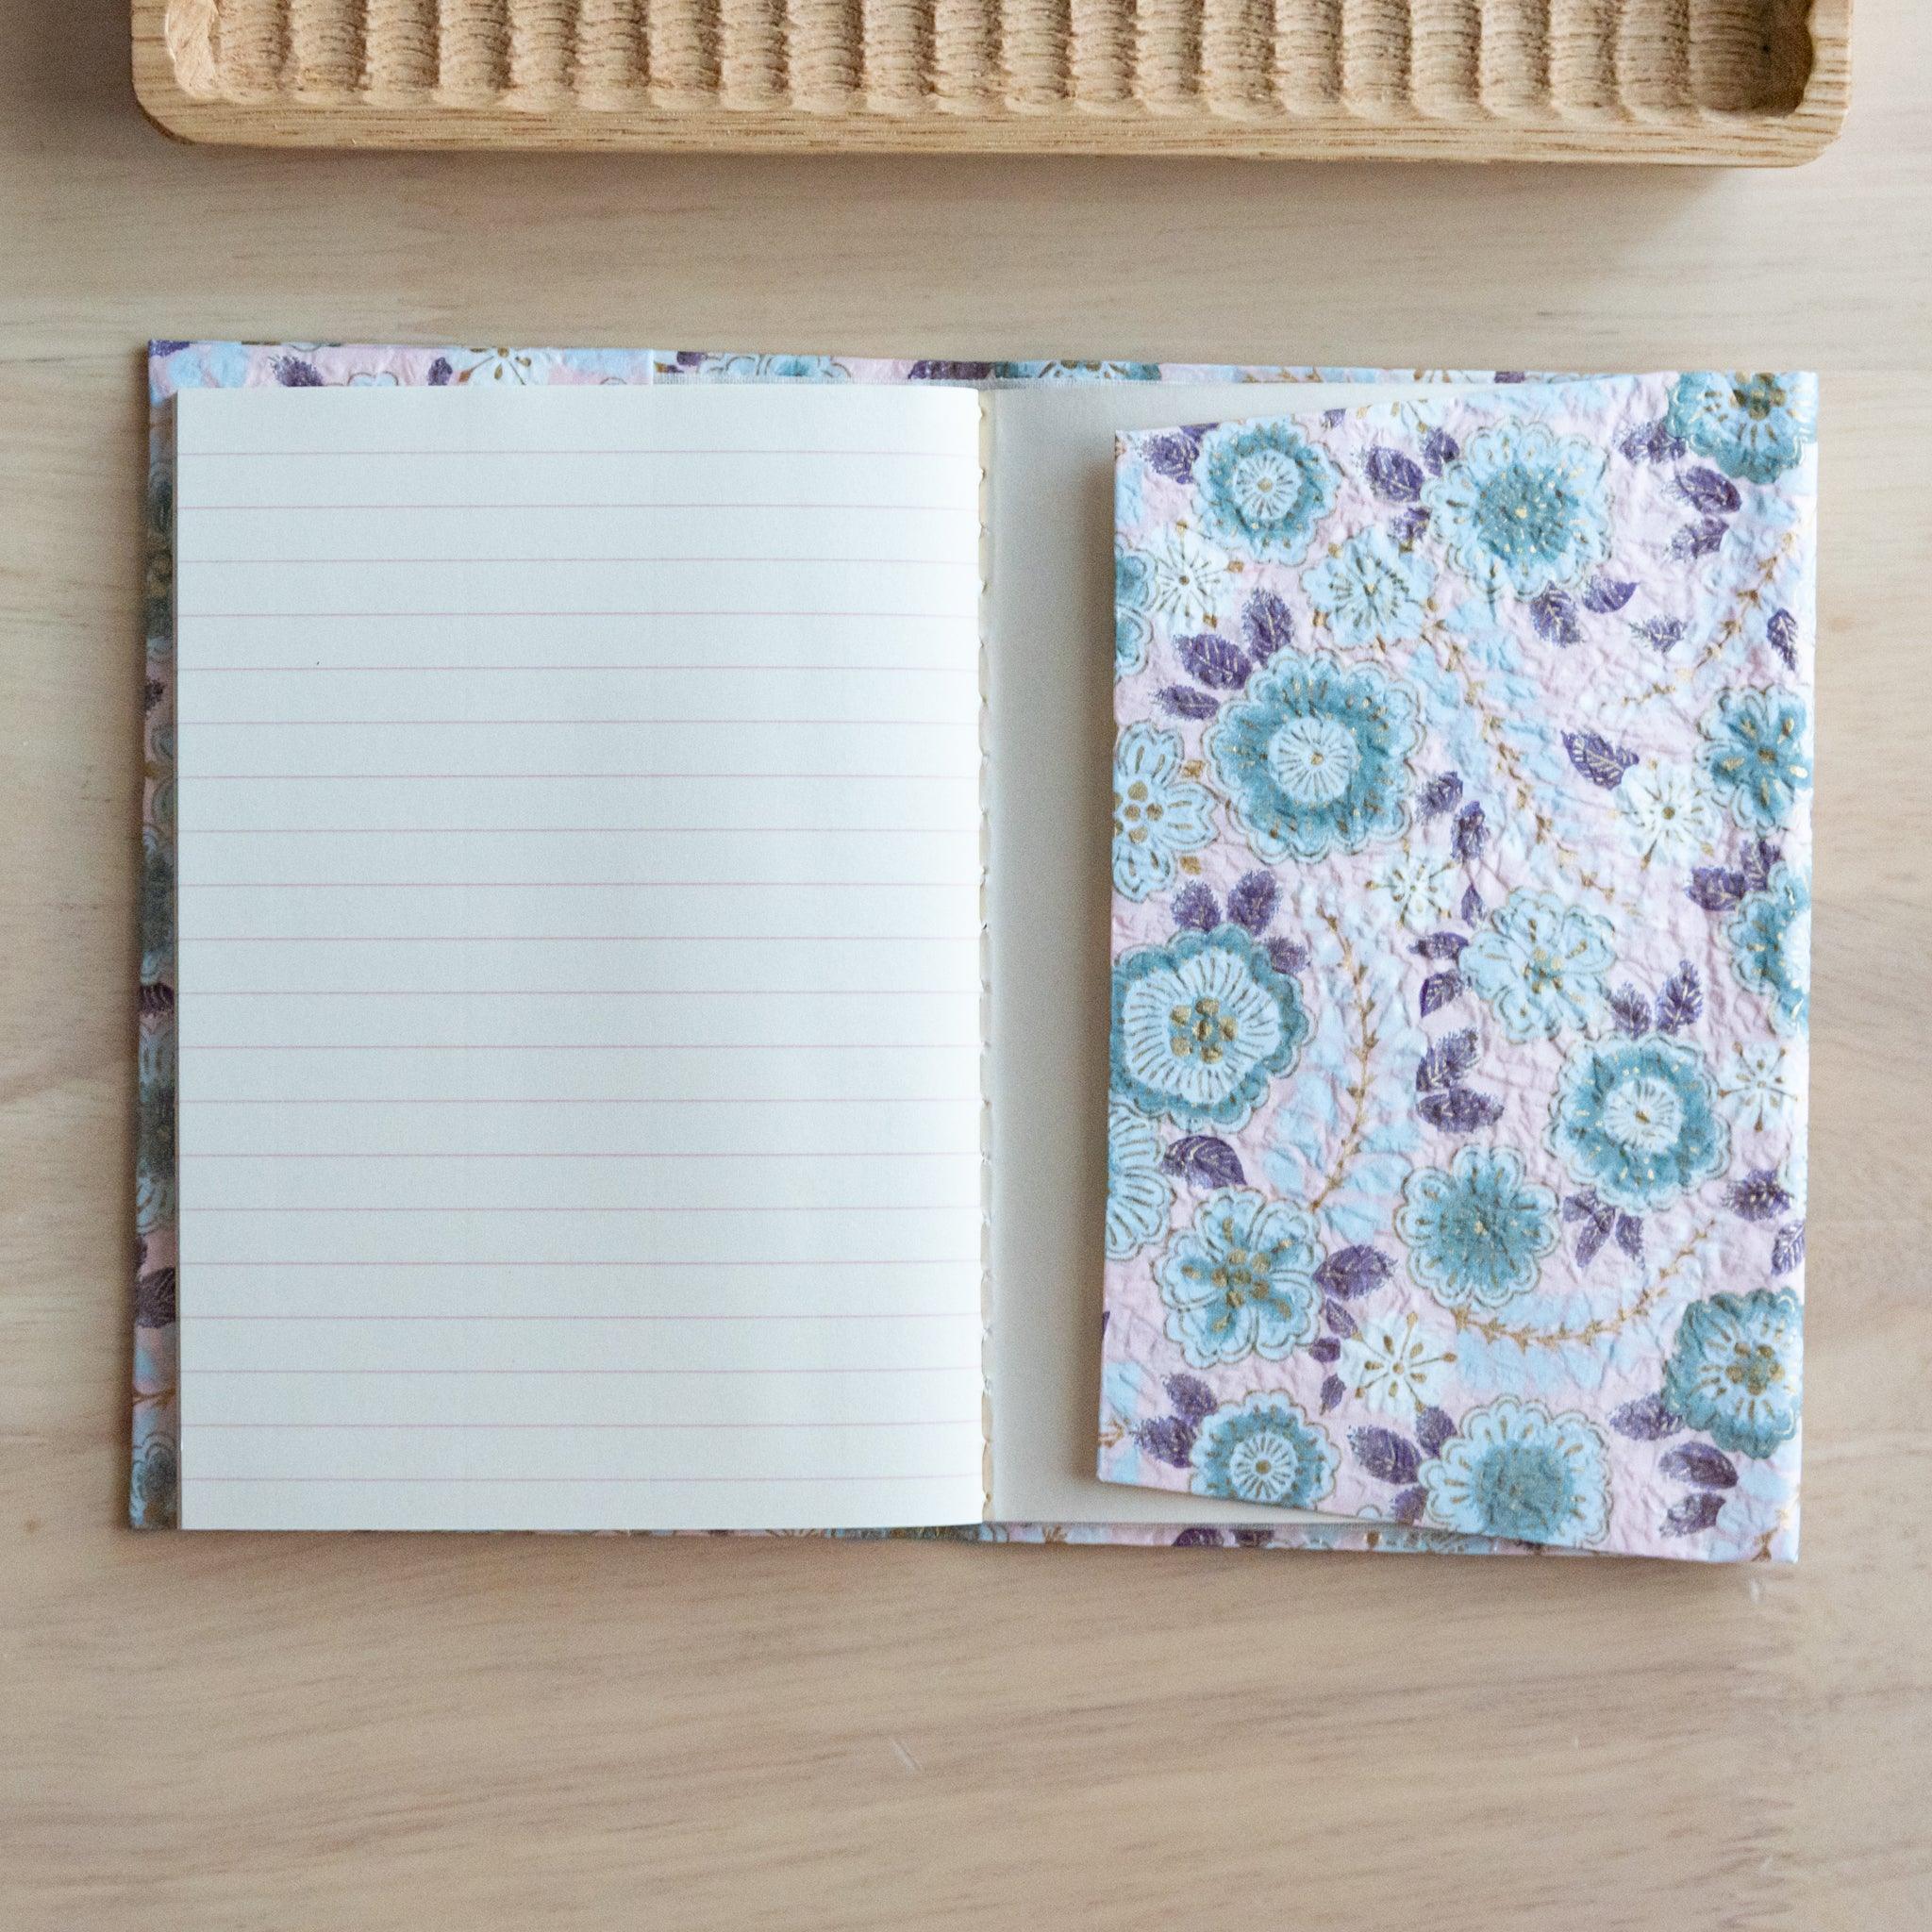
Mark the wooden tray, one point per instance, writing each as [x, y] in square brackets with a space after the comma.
[1762, 82]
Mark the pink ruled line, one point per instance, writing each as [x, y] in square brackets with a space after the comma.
[923, 1262]
[949, 1422]
[858, 1154]
[343, 616]
[588, 1046]
[759, 1481]
[503, 453]
[907, 1315]
[333, 561]
[939, 1369]
[600, 502]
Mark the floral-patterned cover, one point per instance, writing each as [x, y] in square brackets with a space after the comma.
[177, 365]
[1461, 866]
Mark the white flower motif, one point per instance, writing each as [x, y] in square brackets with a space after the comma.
[1668, 814]
[1392, 1368]
[1757, 1088]
[1420, 889]
[1189, 581]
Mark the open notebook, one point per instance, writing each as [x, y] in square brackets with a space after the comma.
[641, 991]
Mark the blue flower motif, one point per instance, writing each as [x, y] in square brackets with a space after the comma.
[1522, 507]
[1476, 1231]
[1541, 964]
[1751, 426]
[1202, 1026]
[1133, 605]
[1514, 1470]
[1157, 815]
[1315, 759]
[1637, 1120]
[1771, 948]
[1138, 1192]
[1264, 1450]
[1735, 1371]
[1240, 1281]
[1370, 591]
[1264, 488]
[1753, 753]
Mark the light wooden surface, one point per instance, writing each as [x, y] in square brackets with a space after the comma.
[1761, 81]
[206, 1733]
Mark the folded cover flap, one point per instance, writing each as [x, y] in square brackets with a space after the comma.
[1462, 869]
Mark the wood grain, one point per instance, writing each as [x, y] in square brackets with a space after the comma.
[326, 1735]
[1751, 81]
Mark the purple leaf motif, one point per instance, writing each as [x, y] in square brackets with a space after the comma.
[1699, 1463]
[440, 373]
[1433, 1428]
[1472, 907]
[1196, 906]
[1715, 889]
[1599, 760]
[1266, 625]
[1169, 1441]
[1391, 475]
[1350, 1273]
[1172, 454]
[1253, 901]
[1447, 1060]
[1788, 1250]
[1652, 443]
[1757, 1196]
[1198, 1539]
[1194, 1401]
[1337, 1317]
[1629, 1233]
[1441, 946]
[1646, 1420]
[1384, 1455]
[1697, 1511]
[1287, 955]
[1471, 834]
[1184, 702]
[1213, 661]
[1439, 449]
[1553, 615]
[1406, 1505]
[1700, 538]
[1203, 1160]
[1459, 1109]
[1439, 989]
[1781, 634]
[1605, 594]
[1709, 492]
[1660, 633]
[1682, 1000]
[1333, 1389]
[1325, 1348]
[1441, 793]
[1630, 1011]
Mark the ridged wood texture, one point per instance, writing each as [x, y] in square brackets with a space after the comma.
[1726, 80]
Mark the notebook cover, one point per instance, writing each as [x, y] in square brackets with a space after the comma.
[1461, 933]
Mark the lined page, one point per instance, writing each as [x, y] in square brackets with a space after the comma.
[579, 969]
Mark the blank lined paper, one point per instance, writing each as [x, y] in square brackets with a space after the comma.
[579, 957]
